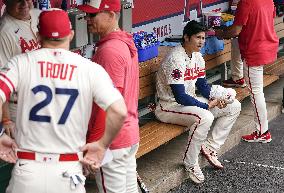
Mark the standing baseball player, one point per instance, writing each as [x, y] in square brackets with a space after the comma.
[117, 53]
[182, 71]
[56, 89]
[254, 25]
[18, 30]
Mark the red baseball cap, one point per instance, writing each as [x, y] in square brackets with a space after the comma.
[95, 6]
[54, 23]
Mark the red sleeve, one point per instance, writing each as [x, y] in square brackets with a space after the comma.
[96, 124]
[5, 89]
[113, 63]
[242, 13]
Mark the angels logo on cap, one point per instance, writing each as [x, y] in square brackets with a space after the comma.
[54, 23]
[95, 6]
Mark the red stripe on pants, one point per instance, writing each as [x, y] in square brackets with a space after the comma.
[182, 113]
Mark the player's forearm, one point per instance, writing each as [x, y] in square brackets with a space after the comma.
[115, 116]
[6, 111]
[1, 106]
[184, 99]
[203, 87]
[229, 32]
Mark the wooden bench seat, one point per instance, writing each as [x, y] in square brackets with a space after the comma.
[279, 26]
[155, 133]
[276, 68]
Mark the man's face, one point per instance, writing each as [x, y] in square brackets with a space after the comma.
[19, 9]
[98, 23]
[197, 41]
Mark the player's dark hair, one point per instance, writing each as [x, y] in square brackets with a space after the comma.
[191, 28]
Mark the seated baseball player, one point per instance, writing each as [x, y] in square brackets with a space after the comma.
[182, 71]
[56, 89]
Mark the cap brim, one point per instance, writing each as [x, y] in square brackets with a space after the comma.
[88, 9]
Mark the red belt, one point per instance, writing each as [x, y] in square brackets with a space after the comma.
[62, 157]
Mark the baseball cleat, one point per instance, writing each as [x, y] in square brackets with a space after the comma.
[211, 156]
[255, 137]
[234, 83]
[195, 174]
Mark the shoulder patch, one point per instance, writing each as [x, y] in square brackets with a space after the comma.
[176, 74]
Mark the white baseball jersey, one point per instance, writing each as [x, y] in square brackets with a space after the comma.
[178, 68]
[56, 89]
[17, 36]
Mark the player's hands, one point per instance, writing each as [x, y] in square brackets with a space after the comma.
[86, 172]
[212, 103]
[94, 154]
[221, 104]
[10, 127]
[7, 149]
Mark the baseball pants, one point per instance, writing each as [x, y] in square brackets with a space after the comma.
[199, 121]
[236, 61]
[45, 175]
[119, 175]
[254, 80]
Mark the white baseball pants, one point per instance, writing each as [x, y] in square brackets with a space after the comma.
[199, 121]
[236, 61]
[29, 176]
[119, 175]
[254, 80]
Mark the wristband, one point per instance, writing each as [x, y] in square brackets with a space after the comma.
[2, 129]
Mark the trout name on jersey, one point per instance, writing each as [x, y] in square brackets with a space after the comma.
[55, 70]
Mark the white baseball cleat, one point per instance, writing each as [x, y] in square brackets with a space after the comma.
[195, 174]
[211, 156]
